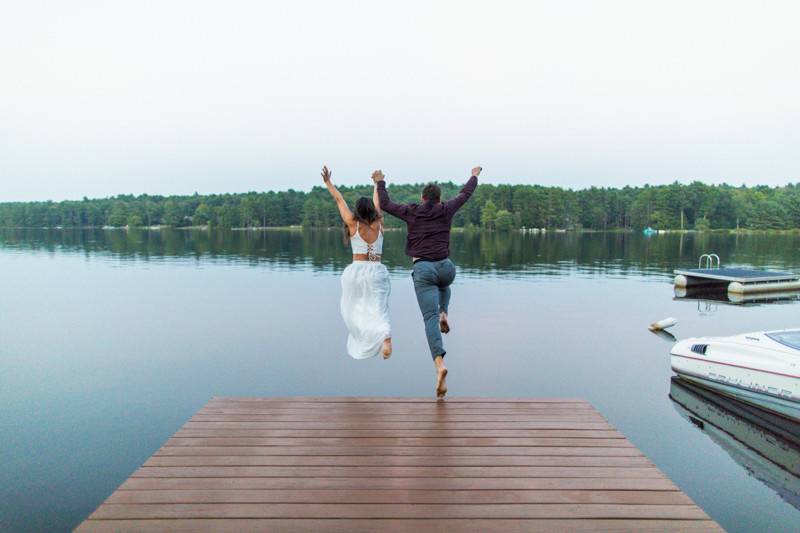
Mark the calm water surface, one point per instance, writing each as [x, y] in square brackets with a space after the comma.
[110, 340]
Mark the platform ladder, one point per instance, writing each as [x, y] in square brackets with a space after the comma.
[709, 261]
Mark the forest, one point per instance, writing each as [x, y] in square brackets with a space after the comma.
[502, 207]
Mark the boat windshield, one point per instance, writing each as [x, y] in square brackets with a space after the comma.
[789, 338]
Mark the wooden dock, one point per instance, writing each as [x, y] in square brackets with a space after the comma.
[398, 464]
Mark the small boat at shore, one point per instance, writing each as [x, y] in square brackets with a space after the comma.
[761, 369]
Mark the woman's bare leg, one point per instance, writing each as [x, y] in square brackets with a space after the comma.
[441, 374]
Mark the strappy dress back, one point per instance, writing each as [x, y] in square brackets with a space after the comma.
[373, 249]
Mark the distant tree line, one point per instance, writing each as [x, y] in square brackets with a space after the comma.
[502, 207]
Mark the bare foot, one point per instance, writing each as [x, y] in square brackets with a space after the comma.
[441, 385]
[387, 348]
[443, 325]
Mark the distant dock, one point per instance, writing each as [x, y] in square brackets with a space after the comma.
[737, 280]
[398, 464]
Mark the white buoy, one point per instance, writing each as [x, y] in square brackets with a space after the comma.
[663, 324]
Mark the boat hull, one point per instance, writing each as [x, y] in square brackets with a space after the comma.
[786, 408]
[750, 368]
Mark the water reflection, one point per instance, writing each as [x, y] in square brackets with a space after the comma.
[516, 254]
[767, 446]
[664, 335]
[721, 295]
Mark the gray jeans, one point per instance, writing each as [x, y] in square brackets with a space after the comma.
[432, 281]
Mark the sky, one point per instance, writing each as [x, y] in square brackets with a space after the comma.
[172, 97]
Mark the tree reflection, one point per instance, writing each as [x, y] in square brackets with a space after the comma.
[499, 253]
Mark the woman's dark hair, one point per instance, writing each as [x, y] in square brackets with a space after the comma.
[364, 212]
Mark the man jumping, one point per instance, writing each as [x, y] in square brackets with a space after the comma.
[428, 244]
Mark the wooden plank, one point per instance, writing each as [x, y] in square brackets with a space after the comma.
[380, 424]
[401, 408]
[408, 483]
[410, 417]
[423, 403]
[397, 471]
[360, 413]
[396, 526]
[388, 451]
[398, 460]
[418, 433]
[357, 409]
[336, 414]
[393, 399]
[401, 496]
[384, 510]
[396, 441]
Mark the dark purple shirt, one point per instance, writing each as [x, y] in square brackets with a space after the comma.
[428, 223]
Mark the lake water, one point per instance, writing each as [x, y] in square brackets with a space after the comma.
[110, 340]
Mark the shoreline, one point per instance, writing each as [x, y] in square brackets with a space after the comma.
[463, 229]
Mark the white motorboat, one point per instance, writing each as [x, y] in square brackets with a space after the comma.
[761, 369]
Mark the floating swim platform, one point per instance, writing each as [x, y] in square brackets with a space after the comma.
[398, 464]
[737, 280]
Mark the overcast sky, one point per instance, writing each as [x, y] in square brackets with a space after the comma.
[108, 97]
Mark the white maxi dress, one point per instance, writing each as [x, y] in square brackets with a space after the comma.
[365, 299]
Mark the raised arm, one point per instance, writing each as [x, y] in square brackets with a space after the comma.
[375, 197]
[466, 191]
[401, 211]
[344, 210]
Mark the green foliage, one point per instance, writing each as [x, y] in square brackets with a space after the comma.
[503, 220]
[702, 224]
[202, 215]
[135, 221]
[488, 214]
[118, 215]
[672, 206]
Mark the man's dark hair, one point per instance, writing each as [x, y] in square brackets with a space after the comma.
[432, 193]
